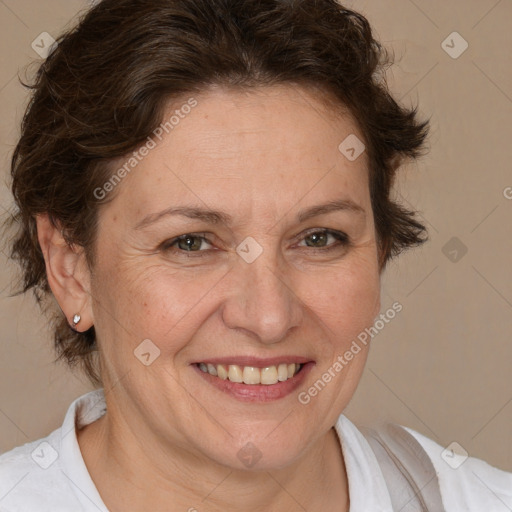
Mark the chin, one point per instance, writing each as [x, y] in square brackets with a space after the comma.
[259, 452]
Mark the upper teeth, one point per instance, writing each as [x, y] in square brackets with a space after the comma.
[252, 374]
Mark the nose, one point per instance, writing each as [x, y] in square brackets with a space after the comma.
[261, 302]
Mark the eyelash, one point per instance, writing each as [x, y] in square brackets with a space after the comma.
[343, 240]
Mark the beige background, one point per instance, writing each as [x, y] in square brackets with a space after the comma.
[443, 365]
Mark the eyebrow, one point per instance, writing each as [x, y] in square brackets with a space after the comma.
[218, 217]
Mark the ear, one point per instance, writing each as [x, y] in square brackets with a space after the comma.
[67, 272]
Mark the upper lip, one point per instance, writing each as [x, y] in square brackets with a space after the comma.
[256, 362]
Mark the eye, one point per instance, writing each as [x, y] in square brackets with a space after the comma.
[193, 244]
[188, 243]
[319, 239]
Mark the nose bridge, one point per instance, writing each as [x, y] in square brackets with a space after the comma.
[262, 302]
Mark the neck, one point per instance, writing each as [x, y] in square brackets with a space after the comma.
[130, 474]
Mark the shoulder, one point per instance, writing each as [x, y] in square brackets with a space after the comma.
[467, 483]
[433, 472]
[29, 457]
[49, 475]
[31, 478]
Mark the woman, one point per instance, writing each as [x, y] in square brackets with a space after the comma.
[204, 189]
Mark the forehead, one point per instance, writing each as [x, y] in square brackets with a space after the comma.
[266, 145]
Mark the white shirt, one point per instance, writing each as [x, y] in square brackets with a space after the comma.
[50, 475]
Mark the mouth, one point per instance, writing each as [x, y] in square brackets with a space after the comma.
[255, 380]
[252, 375]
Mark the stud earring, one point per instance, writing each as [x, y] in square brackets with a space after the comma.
[76, 319]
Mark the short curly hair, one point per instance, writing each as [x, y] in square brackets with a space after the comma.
[103, 90]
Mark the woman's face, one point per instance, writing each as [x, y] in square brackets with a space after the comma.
[279, 267]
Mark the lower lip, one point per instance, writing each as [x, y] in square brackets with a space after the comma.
[258, 392]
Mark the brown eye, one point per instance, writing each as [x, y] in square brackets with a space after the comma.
[189, 243]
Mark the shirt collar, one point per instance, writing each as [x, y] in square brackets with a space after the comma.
[81, 412]
[367, 487]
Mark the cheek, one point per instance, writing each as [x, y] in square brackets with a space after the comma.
[346, 299]
[137, 301]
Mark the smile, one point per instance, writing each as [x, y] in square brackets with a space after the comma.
[252, 375]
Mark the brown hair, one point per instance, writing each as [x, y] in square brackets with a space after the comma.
[102, 91]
